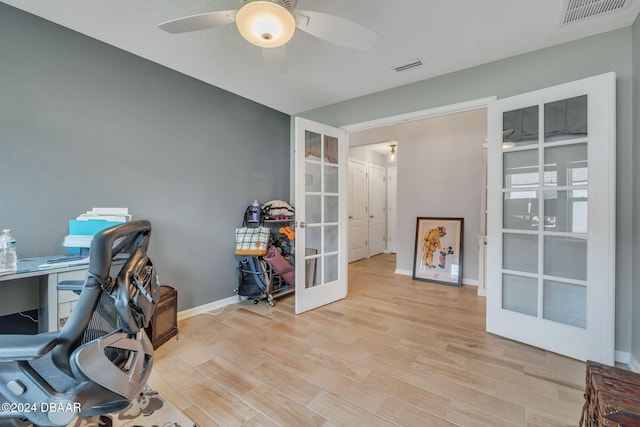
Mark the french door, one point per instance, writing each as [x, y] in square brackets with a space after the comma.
[321, 214]
[551, 218]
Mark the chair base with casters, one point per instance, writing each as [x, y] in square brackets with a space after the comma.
[102, 358]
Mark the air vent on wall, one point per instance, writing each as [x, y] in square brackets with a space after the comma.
[578, 10]
[412, 63]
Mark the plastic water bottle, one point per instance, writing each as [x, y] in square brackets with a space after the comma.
[8, 257]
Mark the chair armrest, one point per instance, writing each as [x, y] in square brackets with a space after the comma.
[26, 347]
[70, 285]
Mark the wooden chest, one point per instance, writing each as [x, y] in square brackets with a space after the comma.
[612, 397]
[164, 322]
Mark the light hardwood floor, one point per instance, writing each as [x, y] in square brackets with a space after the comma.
[395, 352]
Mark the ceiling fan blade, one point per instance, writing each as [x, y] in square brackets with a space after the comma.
[275, 59]
[335, 29]
[202, 21]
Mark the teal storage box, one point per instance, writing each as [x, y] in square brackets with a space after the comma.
[86, 228]
[89, 227]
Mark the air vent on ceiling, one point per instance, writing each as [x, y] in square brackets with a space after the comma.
[412, 63]
[578, 10]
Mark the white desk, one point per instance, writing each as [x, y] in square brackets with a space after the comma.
[31, 287]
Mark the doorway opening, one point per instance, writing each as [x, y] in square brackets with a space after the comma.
[438, 171]
[372, 175]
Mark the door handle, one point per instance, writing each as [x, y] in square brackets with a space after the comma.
[350, 216]
[370, 216]
[303, 224]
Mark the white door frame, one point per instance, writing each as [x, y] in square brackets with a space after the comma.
[388, 121]
[428, 113]
[392, 209]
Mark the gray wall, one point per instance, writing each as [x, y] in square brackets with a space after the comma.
[84, 124]
[535, 70]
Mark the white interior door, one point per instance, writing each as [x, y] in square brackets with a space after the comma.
[377, 217]
[392, 211]
[358, 220]
[321, 214]
[551, 218]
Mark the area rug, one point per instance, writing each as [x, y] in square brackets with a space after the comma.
[150, 409]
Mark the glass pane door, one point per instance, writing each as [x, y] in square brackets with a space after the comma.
[549, 260]
[545, 186]
[321, 208]
[321, 166]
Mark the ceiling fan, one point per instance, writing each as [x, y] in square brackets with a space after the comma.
[272, 23]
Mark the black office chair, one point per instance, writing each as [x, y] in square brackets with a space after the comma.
[101, 359]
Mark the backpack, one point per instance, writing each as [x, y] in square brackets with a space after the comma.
[253, 280]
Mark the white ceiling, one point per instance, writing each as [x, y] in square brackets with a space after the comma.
[447, 35]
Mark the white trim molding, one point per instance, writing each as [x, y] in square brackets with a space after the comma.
[203, 309]
[422, 114]
[632, 363]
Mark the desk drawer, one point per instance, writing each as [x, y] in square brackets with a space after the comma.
[67, 299]
[72, 275]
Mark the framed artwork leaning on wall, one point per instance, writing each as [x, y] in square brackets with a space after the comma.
[438, 250]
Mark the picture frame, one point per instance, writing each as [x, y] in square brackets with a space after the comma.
[437, 253]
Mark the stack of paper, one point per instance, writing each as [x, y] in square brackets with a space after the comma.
[77, 241]
[85, 226]
[106, 214]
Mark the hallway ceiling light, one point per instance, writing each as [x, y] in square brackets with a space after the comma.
[393, 152]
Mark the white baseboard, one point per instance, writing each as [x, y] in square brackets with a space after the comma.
[468, 282]
[622, 357]
[633, 364]
[628, 359]
[215, 305]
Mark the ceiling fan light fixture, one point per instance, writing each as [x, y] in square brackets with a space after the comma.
[265, 24]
